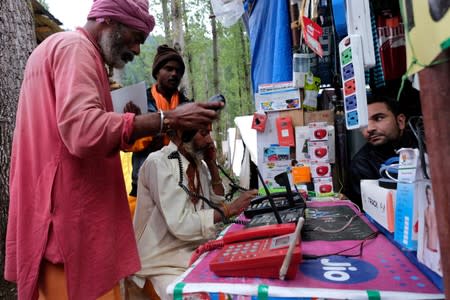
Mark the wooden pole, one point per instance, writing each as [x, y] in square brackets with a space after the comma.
[435, 102]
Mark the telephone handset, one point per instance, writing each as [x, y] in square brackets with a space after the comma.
[258, 232]
[261, 257]
[188, 135]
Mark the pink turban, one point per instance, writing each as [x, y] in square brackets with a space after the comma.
[133, 13]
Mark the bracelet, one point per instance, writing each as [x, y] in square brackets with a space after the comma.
[161, 124]
[226, 210]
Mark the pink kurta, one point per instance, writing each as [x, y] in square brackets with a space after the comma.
[68, 200]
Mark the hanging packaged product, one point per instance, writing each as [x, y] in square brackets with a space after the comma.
[300, 67]
[311, 33]
[312, 86]
[228, 12]
[259, 121]
[285, 131]
[392, 46]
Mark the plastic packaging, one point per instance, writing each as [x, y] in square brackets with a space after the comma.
[227, 12]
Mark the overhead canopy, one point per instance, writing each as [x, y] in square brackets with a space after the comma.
[270, 41]
[45, 23]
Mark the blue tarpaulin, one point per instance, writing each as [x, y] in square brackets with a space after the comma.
[270, 41]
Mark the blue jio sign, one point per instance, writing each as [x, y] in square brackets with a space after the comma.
[339, 269]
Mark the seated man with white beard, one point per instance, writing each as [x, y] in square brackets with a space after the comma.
[172, 215]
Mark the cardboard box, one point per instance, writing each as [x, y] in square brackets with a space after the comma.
[428, 250]
[302, 137]
[319, 116]
[278, 100]
[296, 116]
[275, 86]
[406, 216]
[406, 211]
[379, 203]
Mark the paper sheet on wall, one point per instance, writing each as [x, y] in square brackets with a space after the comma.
[136, 93]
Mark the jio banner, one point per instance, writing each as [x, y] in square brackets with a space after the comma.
[427, 25]
[363, 267]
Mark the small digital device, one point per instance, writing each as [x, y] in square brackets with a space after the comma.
[218, 98]
[188, 135]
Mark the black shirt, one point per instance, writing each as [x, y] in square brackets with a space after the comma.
[366, 163]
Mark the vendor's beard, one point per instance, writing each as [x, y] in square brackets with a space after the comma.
[115, 54]
[197, 155]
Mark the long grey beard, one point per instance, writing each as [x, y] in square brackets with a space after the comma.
[197, 155]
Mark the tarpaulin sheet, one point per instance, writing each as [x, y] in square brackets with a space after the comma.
[270, 41]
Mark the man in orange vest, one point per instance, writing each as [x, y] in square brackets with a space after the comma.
[168, 69]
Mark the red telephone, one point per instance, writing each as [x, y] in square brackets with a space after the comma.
[255, 257]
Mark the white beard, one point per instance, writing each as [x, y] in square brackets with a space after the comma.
[109, 44]
[197, 155]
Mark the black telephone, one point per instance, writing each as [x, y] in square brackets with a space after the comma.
[290, 215]
[283, 201]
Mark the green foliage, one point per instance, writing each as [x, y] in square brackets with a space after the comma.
[141, 67]
[233, 62]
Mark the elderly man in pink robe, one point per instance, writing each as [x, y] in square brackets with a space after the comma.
[69, 232]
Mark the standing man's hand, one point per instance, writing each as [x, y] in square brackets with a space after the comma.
[193, 115]
[190, 115]
[130, 107]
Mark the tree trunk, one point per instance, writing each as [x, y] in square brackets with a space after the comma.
[178, 42]
[218, 126]
[434, 91]
[215, 51]
[16, 43]
[166, 21]
[246, 84]
[188, 54]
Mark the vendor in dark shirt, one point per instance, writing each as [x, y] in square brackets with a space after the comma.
[386, 132]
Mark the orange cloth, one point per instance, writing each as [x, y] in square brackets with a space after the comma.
[132, 204]
[52, 284]
[140, 144]
[150, 290]
[161, 104]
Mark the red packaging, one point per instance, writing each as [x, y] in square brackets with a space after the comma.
[391, 36]
[285, 131]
